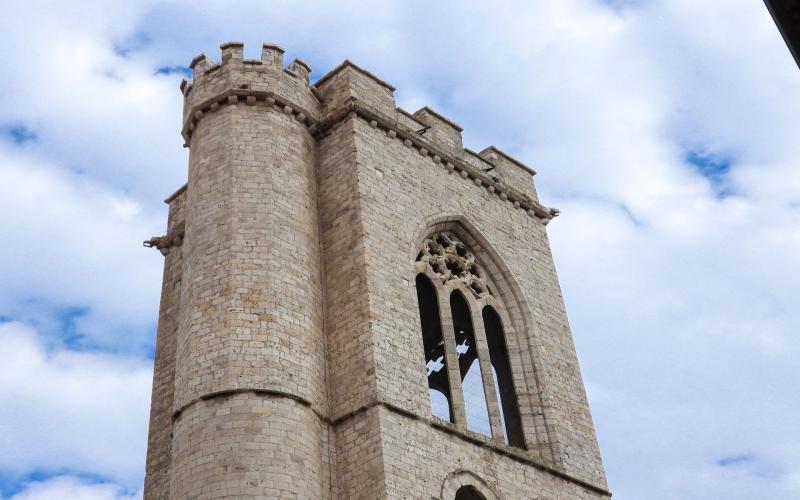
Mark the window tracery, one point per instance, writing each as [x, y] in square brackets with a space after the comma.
[443, 258]
[450, 259]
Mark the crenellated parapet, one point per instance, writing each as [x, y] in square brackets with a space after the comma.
[440, 130]
[254, 82]
[349, 83]
[511, 170]
[349, 91]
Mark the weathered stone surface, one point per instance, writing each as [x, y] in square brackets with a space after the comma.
[290, 362]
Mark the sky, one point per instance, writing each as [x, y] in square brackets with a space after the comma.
[665, 131]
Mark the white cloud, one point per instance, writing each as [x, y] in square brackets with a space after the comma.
[72, 243]
[683, 302]
[688, 347]
[66, 410]
[93, 109]
[63, 487]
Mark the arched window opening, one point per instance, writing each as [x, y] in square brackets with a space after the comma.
[503, 382]
[468, 493]
[433, 343]
[445, 259]
[469, 366]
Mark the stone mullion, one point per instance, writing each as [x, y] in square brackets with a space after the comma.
[484, 359]
[451, 359]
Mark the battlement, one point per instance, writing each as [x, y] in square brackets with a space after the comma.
[348, 90]
[440, 129]
[262, 81]
[348, 82]
[511, 169]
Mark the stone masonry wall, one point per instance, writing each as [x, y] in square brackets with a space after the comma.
[289, 357]
[401, 192]
[159, 442]
[257, 447]
[418, 459]
[351, 368]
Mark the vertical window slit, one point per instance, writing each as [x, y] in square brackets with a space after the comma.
[469, 366]
[503, 381]
[433, 343]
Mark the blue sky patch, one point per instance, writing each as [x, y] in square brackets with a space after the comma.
[136, 42]
[184, 71]
[714, 167]
[752, 465]
[60, 324]
[620, 5]
[11, 484]
[68, 317]
[733, 460]
[74, 327]
[19, 133]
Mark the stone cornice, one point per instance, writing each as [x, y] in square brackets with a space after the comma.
[375, 119]
[247, 97]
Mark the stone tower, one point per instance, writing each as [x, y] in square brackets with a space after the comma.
[356, 306]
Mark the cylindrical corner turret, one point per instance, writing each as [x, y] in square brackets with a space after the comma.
[249, 377]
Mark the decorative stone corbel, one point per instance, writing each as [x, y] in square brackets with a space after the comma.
[165, 243]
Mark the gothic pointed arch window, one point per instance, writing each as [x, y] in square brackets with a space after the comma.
[469, 366]
[458, 323]
[503, 382]
[433, 343]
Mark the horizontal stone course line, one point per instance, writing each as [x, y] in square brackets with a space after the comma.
[261, 392]
[376, 120]
[214, 103]
[442, 426]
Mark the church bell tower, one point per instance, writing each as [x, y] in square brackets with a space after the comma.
[356, 306]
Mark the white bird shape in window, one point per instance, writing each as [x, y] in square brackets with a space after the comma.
[435, 366]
